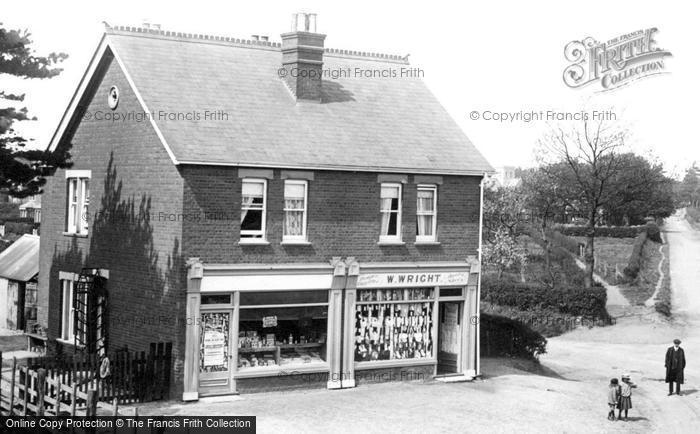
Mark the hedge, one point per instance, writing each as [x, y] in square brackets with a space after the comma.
[504, 337]
[573, 300]
[601, 231]
[19, 228]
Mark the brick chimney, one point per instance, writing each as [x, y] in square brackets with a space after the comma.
[302, 58]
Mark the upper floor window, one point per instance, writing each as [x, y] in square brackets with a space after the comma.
[426, 213]
[295, 210]
[253, 208]
[78, 201]
[390, 209]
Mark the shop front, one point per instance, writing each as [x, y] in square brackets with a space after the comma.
[412, 321]
[274, 326]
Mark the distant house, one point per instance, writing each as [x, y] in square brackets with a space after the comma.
[19, 267]
[31, 209]
[505, 176]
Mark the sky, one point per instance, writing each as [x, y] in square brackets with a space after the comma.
[483, 57]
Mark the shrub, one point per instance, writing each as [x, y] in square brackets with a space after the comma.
[635, 262]
[692, 214]
[502, 336]
[568, 299]
[653, 232]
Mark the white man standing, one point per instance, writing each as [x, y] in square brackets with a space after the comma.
[675, 363]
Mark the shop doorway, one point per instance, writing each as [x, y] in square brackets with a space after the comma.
[449, 337]
[215, 352]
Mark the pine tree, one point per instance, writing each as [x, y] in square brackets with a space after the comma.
[22, 171]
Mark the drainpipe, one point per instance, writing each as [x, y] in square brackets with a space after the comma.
[478, 285]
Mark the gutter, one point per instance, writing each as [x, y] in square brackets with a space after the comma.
[477, 351]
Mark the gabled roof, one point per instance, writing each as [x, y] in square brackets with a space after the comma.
[34, 203]
[364, 124]
[20, 261]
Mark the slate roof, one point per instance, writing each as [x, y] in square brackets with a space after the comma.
[375, 124]
[20, 261]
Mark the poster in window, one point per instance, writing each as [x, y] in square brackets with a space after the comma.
[269, 321]
[214, 343]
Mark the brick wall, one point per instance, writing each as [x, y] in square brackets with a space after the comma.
[343, 219]
[133, 180]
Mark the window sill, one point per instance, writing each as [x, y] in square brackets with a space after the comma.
[74, 234]
[71, 343]
[427, 243]
[253, 242]
[277, 370]
[391, 243]
[397, 363]
[295, 243]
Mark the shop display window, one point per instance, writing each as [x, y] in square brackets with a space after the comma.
[394, 324]
[280, 337]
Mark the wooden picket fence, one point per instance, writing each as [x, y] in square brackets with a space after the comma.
[42, 393]
[71, 381]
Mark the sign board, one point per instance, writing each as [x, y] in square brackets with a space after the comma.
[214, 343]
[269, 321]
[407, 280]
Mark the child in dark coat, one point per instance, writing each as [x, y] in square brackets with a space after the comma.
[613, 398]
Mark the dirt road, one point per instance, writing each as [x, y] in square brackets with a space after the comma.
[637, 345]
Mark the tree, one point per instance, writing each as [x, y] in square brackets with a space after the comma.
[643, 190]
[590, 155]
[543, 199]
[503, 211]
[689, 193]
[22, 171]
[503, 252]
[503, 216]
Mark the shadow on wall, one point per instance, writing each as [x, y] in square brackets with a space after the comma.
[146, 298]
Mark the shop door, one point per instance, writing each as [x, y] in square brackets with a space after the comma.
[215, 352]
[449, 336]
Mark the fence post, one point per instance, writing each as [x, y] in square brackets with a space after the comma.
[26, 391]
[39, 386]
[74, 400]
[12, 386]
[91, 403]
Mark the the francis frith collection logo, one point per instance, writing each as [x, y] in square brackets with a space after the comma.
[614, 63]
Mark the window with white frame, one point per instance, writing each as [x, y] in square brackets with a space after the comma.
[67, 312]
[426, 213]
[295, 210]
[77, 203]
[390, 209]
[253, 208]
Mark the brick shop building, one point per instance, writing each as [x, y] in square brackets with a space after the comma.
[286, 214]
